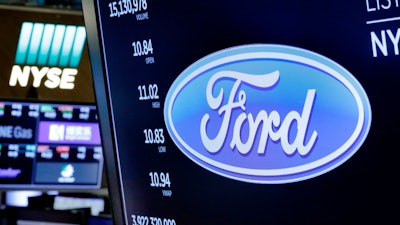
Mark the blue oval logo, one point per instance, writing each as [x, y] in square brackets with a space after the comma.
[267, 113]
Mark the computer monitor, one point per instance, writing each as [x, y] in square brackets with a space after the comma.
[248, 112]
[49, 146]
[44, 55]
[49, 131]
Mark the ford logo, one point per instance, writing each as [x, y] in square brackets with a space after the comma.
[267, 113]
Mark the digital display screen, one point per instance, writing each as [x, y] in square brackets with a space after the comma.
[48, 145]
[44, 55]
[255, 112]
[49, 131]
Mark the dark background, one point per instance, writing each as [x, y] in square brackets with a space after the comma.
[361, 191]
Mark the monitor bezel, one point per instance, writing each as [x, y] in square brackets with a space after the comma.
[112, 168]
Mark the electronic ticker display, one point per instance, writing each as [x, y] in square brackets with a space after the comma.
[49, 131]
[255, 112]
[49, 146]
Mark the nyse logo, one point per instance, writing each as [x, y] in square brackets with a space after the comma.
[49, 54]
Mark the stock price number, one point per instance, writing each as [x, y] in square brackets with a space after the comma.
[154, 136]
[123, 7]
[146, 220]
[142, 48]
[148, 92]
[159, 179]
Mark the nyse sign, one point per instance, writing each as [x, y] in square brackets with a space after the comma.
[56, 77]
[48, 50]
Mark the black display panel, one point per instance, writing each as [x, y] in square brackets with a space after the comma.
[255, 112]
[49, 146]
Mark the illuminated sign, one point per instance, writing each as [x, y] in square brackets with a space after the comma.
[48, 54]
[267, 113]
[69, 133]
